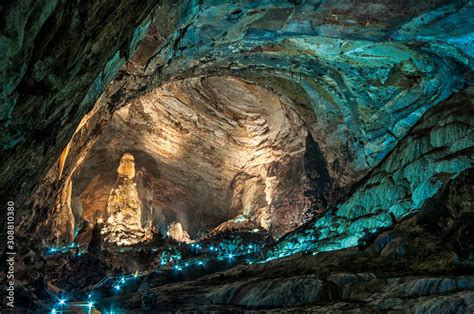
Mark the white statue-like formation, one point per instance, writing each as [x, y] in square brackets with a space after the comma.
[123, 227]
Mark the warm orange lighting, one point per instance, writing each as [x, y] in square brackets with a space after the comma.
[62, 159]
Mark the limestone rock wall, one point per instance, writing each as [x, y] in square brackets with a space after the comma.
[206, 150]
[359, 74]
[362, 74]
[437, 149]
[57, 57]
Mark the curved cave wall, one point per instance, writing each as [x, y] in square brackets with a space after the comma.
[308, 126]
[208, 150]
[358, 81]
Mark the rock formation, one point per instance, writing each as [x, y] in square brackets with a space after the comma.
[359, 76]
[176, 232]
[59, 225]
[437, 149]
[335, 134]
[123, 226]
[212, 149]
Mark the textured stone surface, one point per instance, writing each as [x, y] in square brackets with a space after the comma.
[362, 74]
[330, 58]
[206, 150]
[177, 233]
[428, 277]
[438, 148]
[379, 91]
[57, 57]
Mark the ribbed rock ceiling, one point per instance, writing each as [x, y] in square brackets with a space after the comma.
[251, 130]
[206, 151]
[355, 76]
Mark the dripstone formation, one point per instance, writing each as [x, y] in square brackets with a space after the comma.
[124, 227]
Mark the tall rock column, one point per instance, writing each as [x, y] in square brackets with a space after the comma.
[123, 227]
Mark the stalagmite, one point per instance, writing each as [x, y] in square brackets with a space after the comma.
[123, 227]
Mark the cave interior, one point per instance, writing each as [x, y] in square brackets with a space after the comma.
[231, 156]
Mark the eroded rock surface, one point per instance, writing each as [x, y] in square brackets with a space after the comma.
[438, 148]
[57, 58]
[177, 233]
[251, 115]
[206, 150]
[421, 267]
[361, 74]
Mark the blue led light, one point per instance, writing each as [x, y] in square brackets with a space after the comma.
[168, 256]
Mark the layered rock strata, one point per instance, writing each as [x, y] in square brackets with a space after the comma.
[437, 149]
[361, 74]
[206, 150]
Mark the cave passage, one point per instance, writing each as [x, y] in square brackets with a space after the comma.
[234, 156]
[207, 151]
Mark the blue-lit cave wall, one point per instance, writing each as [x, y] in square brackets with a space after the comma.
[436, 150]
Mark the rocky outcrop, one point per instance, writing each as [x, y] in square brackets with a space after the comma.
[176, 232]
[58, 227]
[437, 149]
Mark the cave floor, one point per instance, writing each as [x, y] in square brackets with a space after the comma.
[342, 280]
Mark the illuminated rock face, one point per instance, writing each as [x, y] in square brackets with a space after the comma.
[360, 74]
[206, 150]
[176, 232]
[123, 227]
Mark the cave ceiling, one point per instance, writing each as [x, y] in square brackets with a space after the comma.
[230, 156]
[354, 77]
[205, 149]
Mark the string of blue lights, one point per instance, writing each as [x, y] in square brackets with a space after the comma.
[170, 260]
